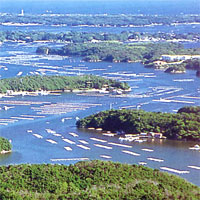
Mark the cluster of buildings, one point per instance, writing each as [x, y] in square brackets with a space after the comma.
[173, 58]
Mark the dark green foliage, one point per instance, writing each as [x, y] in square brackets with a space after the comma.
[198, 73]
[99, 20]
[92, 180]
[34, 83]
[180, 68]
[81, 37]
[190, 109]
[118, 52]
[5, 144]
[193, 64]
[183, 125]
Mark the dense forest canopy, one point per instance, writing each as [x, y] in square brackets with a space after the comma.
[5, 145]
[92, 180]
[183, 125]
[75, 37]
[119, 52]
[48, 83]
[99, 19]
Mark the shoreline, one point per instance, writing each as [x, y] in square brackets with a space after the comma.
[100, 26]
[5, 152]
[58, 92]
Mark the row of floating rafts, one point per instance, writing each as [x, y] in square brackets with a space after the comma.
[61, 108]
[109, 148]
[69, 159]
[22, 103]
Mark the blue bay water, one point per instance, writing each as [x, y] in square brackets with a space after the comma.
[100, 7]
[148, 87]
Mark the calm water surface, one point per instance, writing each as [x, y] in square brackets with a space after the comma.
[148, 86]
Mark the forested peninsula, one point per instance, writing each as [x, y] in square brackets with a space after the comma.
[183, 125]
[99, 20]
[92, 180]
[119, 52]
[150, 54]
[63, 83]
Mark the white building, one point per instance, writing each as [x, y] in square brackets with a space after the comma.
[172, 58]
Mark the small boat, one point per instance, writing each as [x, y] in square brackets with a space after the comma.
[195, 147]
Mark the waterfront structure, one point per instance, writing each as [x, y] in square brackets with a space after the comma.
[171, 58]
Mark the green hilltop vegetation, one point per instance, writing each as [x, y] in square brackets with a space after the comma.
[172, 67]
[92, 180]
[80, 37]
[100, 20]
[5, 145]
[183, 125]
[49, 83]
[119, 52]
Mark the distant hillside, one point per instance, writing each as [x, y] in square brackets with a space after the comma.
[92, 180]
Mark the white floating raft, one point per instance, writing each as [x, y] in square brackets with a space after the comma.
[131, 153]
[69, 159]
[109, 134]
[83, 141]
[105, 156]
[68, 141]
[37, 135]
[120, 145]
[98, 140]
[142, 163]
[57, 134]
[194, 167]
[51, 141]
[73, 134]
[102, 146]
[148, 150]
[155, 159]
[174, 170]
[68, 148]
[83, 147]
